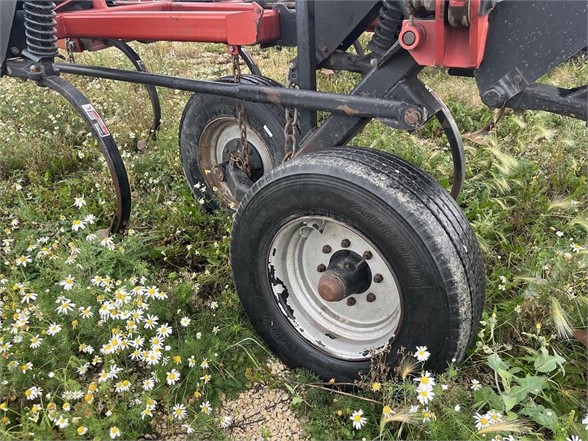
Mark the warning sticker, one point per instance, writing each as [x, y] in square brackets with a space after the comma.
[97, 122]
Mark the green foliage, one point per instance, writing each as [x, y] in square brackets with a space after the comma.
[525, 195]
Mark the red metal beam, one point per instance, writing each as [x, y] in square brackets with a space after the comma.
[231, 23]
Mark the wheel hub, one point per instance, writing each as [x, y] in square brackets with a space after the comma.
[348, 273]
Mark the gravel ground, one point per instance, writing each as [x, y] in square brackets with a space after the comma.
[257, 414]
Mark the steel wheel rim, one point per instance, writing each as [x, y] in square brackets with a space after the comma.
[343, 331]
[212, 150]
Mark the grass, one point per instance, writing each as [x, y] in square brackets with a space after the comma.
[525, 197]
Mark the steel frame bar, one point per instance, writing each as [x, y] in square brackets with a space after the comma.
[351, 105]
[231, 23]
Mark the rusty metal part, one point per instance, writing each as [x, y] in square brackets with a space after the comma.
[351, 301]
[371, 297]
[331, 288]
[367, 255]
[348, 273]
[291, 125]
[240, 159]
[345, 243]
[327, 249]
[321, 268]
[413, 117]
[378, 278]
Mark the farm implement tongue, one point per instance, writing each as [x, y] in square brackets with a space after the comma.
[350, 242]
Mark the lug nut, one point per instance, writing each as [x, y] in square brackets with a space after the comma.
[378, 278]
[371, 297]
[351, 301]
[348, 266]
[327, 249]
[367, 255]
[321, 268]
[345, 243]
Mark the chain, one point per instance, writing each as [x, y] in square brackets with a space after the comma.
[290, 141]
[240, 158]
[69, 47]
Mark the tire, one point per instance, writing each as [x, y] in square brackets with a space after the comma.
[431, 289]
[209, 130]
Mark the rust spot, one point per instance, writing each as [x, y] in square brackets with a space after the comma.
[273, 96]
[331, 288]
[347, 110]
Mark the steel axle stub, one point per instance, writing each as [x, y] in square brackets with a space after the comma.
[345, 328]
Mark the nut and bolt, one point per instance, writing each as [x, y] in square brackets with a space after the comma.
[345, 243]
[231, 48]
[371, 297]
[378, 278]
[327, 249]
[412, 117]
[351, 301]
[367, 255]
[35, 68]
[321, 268]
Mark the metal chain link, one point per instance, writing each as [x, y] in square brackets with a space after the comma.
[240, 158]
[290, 141]
[69, 47]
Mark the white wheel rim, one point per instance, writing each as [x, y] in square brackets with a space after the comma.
[343, 331]
[215, 137]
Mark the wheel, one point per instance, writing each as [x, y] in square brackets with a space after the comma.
[209, 132]
[339, 253]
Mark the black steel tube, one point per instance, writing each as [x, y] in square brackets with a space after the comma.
[350, 105]
[306, 60]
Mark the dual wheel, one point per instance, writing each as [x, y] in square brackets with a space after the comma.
[341, 253]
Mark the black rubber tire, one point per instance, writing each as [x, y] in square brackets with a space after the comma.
[419, 228]
[267, 120]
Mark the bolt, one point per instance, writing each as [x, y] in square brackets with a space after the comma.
[231, 48]
[327, 249]
[378, 278]
[493, 97]
[348, 266]
[292, 65]
[371, 297]
[321, 268]
[345, 243]
[350, 301]
[367, 255]
[408, 38]
[35, 68]
[412, 117]
[14, 50]
[218, 173]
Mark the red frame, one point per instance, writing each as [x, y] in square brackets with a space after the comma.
[233, 23]
[438, 44]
